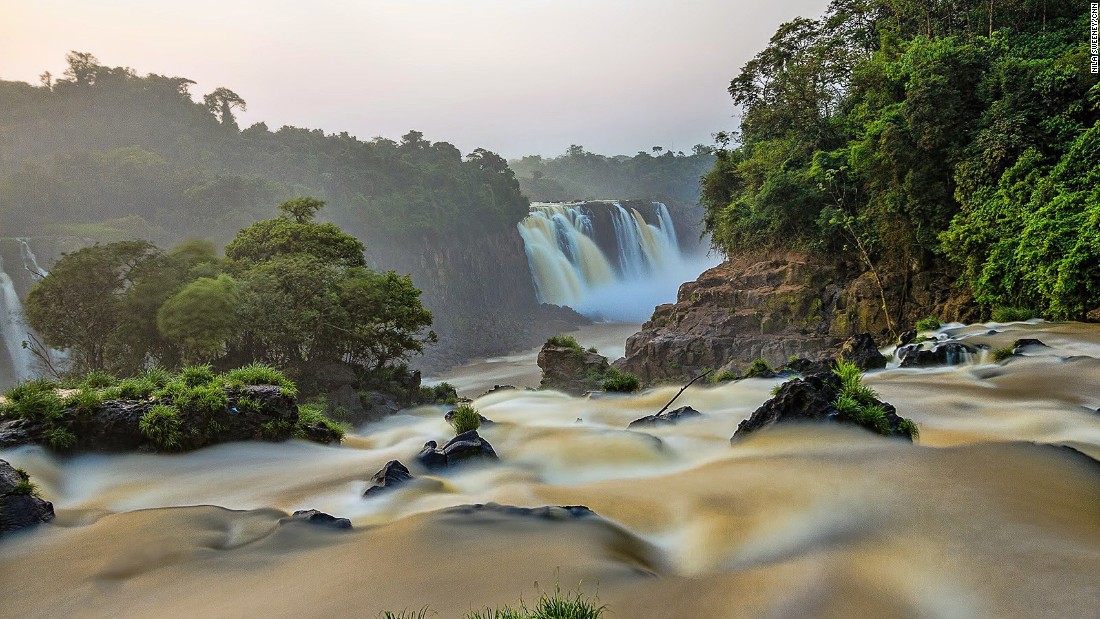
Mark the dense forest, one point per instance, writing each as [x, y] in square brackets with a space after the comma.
[580, 175]
[958, 135]
[104, 153]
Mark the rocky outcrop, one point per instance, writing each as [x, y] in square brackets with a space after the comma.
[261, 412]
[321, 519]
[548, 512]
[450, 415]
[775, 307]
[812, 400]
[20, 505]
[931, 354]
[464, 448]
[666, 418]
[390, 476]
[569, 369]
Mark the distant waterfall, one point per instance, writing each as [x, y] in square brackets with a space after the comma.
[30, 261]
[12, 329]
[620, 273]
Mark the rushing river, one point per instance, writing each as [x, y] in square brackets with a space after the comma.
[985, 517]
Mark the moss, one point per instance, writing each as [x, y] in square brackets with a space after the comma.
[1013, 314]
[1001, 354]
[162, 425]
[313, 415]
[619, 381]
[206, 400]
[465, 418]
[25, 487]
[258, 374]
[60, 439]
[928, 324]
[277, 429]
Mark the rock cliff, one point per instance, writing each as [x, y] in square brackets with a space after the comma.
[776, 306]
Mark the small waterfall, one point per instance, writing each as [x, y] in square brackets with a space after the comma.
[12, 329]
[30, 261]
[619, 274]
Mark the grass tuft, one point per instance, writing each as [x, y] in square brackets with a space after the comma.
[98, 379]
[1001, 354]
[565, 341]
[310, 415]
[619, 381]
[1013, 314]
[758, 367]
[258, 374]
[928, 324]
[162, 425]
[466, 418]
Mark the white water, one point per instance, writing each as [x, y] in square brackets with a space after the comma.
[569, 268]
[12, 328]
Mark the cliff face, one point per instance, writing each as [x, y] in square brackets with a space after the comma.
[773, 307]
[481, 294]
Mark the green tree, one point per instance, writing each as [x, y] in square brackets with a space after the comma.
[221, 104]
[202, 318]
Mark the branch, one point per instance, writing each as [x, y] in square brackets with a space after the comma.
[682, 389]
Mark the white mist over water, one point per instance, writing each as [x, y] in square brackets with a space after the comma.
[620, 284]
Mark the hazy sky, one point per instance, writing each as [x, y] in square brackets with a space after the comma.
[514, 76]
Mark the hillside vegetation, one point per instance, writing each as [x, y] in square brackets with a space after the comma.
[960, 136]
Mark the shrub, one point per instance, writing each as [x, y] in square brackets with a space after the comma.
[138, 388]
[619, 381]
[158, 376]
[313, 415]
[195, 375]
[872, 417]
[466, 418]
[206, 400]
[258, 374]
[565, 341]
[35, 400]
[443, 393]
[908, 427]
[928, 324]
[85, 402]
[98, 379]
[757, 367]
[60, 439]
[1013, 314]
[162, 425]
[724, 377]
[1001, 354]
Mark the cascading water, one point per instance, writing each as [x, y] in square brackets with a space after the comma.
[30, 261]
[11, 328]
[637, 268]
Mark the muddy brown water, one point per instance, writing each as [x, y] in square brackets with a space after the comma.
[988, 516]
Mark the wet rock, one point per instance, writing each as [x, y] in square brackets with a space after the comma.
[318, 518]
[569, 369]
[466, 447]
[809, 399]
[344, 403]
[497, 388]
[666, 418]
[806, 367]
[19, 506]
[948, 353]
[906, 337]
[548, 512]
[861, 350]
[392, 475]
[1019, 345]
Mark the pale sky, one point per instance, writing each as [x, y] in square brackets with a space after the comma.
[514, 76]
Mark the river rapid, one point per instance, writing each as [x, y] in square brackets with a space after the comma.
[994, 513]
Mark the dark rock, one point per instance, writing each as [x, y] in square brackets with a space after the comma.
[344, 403]
[315, 517]
[570, 370]
[451, 415]
[806, 367]
[1025, 342]
[468, 446]
[861, 350]
[809, 400]
[549, 512]
[948, 353]
[497, 388]
[19, 509]
[906, 337]
[392, 475]
[666, 418]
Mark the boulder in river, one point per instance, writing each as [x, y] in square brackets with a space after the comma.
[390, 476]
[466, 447]
[814, 399]
[20, 506]
[319, 518]
[570, 369]
[666, 418]
[861, 350]
[947, 353]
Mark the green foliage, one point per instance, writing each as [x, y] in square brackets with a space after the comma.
[201, 318]
[724, 376]
[314, 415]
[556, 605]
[1001, 354]
[85, 401]
[443, 393]
[758, 367]
[858, 401]
[909, 428]
[565, 341]
[98, 379]
[258, 374]
[423, 613]
[465, 418]
[162, 425]
[137, 388]
[196, 375]
[34, 400]
[619, 381]
[1012, 314]
[899, 136]
[25, 485]
[60, 439]
[928, 324]
[205, 400]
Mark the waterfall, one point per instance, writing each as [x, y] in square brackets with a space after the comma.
[30, 261]
[617, 274]
[12, 328]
